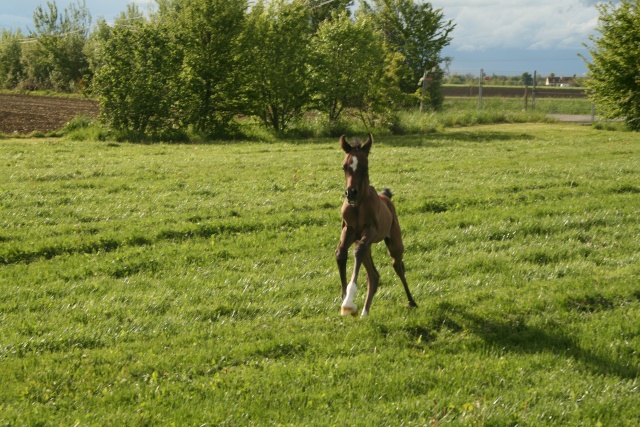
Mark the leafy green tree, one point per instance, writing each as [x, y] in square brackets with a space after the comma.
[94, 50]
[614, 83]
[380, 103]
[207, 34]
[135, 83]
[56, 59]
[275, 58]
[347, 60]
[11, 69]
[418, 32]
[323, 10]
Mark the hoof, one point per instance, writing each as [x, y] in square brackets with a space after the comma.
[349, 311]
[412, 304]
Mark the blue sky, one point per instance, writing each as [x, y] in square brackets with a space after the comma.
[19, 13]
[501, 36]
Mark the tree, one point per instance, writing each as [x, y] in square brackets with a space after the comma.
[275, 56]
[384, 96]
[614, 83]
[135, 84]
[11, 69]
[323, 10]
[207, 33]
[56, 60]
[94, 49]
[418, 32]
[347, 60]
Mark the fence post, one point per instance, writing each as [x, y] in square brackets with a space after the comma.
[480, 89]
[533, 91]
[423, 82]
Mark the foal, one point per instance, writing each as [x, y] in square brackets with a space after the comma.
[367, 217]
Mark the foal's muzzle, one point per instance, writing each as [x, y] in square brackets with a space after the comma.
[352, 195]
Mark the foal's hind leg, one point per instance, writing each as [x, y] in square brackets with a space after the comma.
[396, 250]
[398, 266]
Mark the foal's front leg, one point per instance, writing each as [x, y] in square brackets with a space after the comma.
[361, 251]
[342, 254]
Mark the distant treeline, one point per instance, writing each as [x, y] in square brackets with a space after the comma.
[194, 65]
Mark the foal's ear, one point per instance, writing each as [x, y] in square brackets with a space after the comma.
[367, 144]
[346, 147]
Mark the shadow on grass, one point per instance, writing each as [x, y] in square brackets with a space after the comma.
[440, 139]
[515, 336]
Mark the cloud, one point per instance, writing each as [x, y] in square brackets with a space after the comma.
[505, 24]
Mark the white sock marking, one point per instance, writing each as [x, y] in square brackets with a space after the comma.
[351, 294]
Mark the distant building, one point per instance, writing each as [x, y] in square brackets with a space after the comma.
[560, 81]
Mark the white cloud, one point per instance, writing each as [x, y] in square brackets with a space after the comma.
[505, 24]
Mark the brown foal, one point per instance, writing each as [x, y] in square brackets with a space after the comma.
[367, 218]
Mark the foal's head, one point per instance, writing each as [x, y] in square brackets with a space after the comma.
[356, 168]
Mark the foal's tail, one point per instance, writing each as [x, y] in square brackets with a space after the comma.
[387, 192]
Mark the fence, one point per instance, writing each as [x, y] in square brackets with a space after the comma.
[547, 100]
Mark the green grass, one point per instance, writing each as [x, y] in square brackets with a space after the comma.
[543, 106]
[196, 284]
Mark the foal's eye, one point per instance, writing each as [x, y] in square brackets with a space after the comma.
[345, 167]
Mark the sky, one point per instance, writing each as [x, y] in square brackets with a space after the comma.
[510, 37]
[503, 37]
[16, 14]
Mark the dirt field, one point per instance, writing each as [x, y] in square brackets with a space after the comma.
[23, 114]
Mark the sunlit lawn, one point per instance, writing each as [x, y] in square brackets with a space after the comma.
[196, 284]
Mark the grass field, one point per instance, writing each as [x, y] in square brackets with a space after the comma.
[196, 284]
[542, 105]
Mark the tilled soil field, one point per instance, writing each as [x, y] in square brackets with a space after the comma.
[23, 114]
